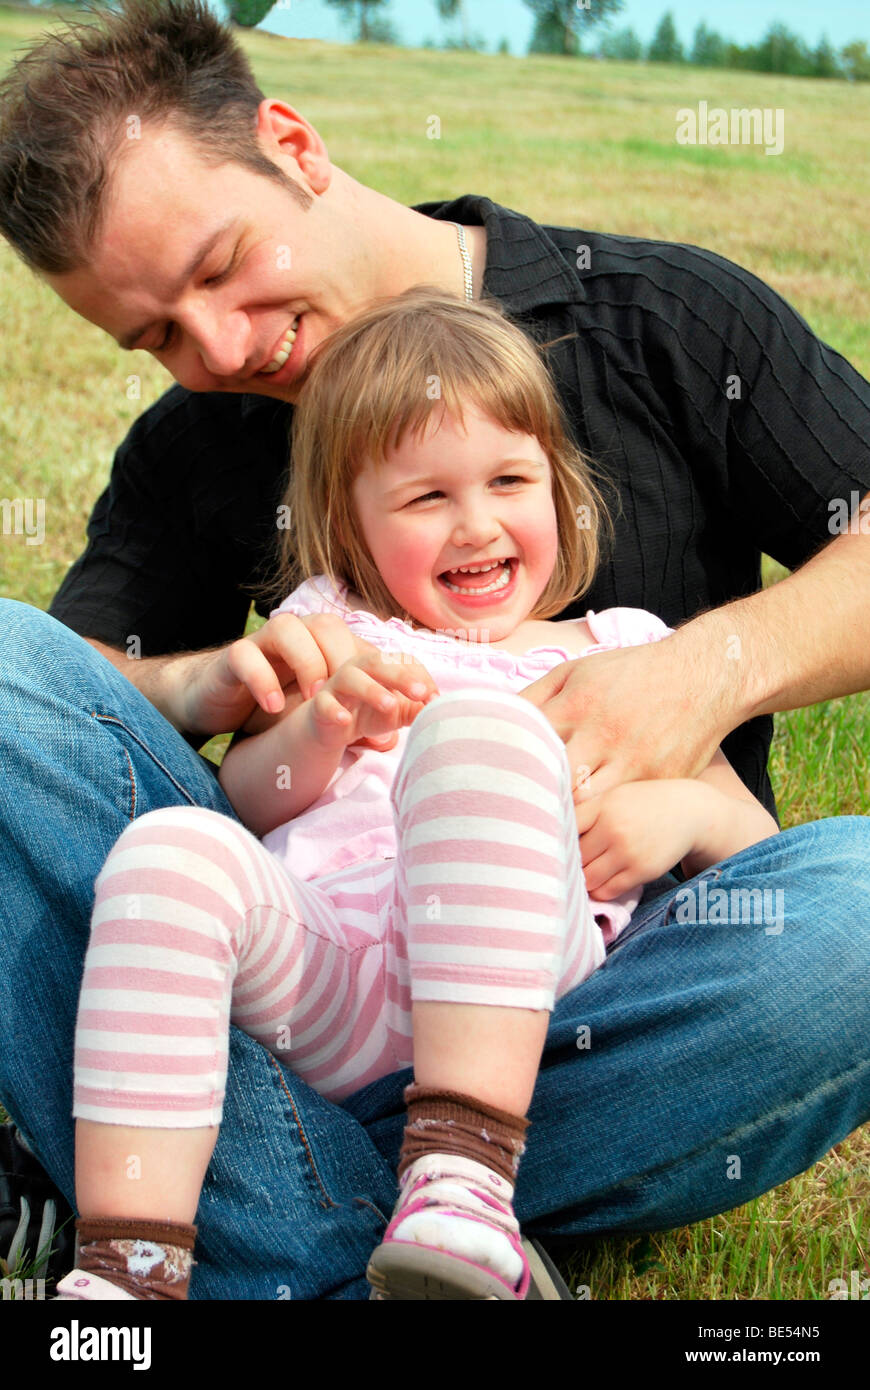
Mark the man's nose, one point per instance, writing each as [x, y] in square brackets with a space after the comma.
[222, 340]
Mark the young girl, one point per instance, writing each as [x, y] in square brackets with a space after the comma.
[409, 889]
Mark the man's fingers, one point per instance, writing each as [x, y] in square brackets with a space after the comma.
[547, 687]
[591, 775]
[334, 638]
[294, 652]
[245, 662]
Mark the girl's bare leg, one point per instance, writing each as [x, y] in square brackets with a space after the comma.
[129, 1171]
[483, 1050]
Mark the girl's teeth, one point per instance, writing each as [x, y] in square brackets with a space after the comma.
[284, 350]
[498, 583]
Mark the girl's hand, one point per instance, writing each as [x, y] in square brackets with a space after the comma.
[370, 697]
[637, 831]
[287, 659]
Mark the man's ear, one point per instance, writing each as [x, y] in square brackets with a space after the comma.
[284, 134]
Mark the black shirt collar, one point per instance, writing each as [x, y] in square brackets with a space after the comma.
[525, 269]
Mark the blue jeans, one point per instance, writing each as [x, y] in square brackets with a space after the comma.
[721, 1057]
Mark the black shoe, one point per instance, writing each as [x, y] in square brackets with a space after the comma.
[37, 1224]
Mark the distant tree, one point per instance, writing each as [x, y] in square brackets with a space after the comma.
[780, 51]
[247, 13]
[371, 28]
[504, 47]
[825, 61]
[856, 61]
[735, 56]
[665, 46]
[559, 23]
[449, 9]
[624, 46]
[709, 50]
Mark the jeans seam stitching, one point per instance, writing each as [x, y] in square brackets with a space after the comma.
[364, 1202]
[113, 719]
[329, 1202]
[132, 785]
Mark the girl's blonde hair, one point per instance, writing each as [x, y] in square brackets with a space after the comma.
[383, 373]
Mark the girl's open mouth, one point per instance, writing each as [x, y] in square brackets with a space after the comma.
[485, 584]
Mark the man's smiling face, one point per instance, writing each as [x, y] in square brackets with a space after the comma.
[211, 267]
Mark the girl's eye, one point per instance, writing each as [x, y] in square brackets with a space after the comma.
[505, 478]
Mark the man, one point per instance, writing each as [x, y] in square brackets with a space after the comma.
[156, 190]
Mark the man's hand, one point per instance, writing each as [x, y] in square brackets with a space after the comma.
[639, 713]
[249, 682]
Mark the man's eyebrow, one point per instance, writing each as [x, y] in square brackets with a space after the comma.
[190, 270]
[497, 468]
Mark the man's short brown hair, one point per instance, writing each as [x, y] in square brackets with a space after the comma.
[68, 105]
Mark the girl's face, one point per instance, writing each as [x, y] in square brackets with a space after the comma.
[451, 499]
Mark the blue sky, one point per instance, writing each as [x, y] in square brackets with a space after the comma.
[741, 20]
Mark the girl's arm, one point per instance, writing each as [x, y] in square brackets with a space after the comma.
[634, 832]
[270, 777]
[735, 819]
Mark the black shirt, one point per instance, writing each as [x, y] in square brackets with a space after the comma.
[719, 425]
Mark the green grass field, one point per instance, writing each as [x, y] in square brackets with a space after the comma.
[572, 143]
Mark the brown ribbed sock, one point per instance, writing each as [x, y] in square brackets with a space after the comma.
[150, 1259]
[449, 1122]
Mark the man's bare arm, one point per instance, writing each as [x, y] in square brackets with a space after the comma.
[158, 678]
[803, 638]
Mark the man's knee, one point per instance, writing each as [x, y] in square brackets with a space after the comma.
[809, 885]
[834, 851]
[37, 653]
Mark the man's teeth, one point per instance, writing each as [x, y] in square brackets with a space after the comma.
[500, 582]
[284, 350]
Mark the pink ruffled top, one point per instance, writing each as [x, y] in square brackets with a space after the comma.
[352, 820]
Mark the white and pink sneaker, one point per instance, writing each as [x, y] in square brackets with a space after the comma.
[453, 1235]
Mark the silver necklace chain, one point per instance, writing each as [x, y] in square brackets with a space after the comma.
[466, 261]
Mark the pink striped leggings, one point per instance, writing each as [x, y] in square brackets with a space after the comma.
[196, 925]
